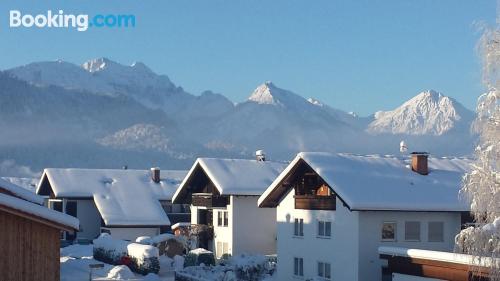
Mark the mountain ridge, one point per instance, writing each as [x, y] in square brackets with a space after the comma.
[130, 114]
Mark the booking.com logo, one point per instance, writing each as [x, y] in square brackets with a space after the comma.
[81, 22]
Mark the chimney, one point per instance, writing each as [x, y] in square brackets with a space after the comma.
[260, 155]
[155, 174]
[419, 162]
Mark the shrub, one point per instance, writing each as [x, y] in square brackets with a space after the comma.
[190, 260]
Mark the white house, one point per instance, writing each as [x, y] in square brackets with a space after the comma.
[125, 203]
[333, 211]
[223, 195]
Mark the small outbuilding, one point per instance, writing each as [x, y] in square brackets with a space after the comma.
[29, 235]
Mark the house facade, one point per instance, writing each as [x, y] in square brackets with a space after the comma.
[333, 211]
[30, 235]
[223, 194]
[124, 203]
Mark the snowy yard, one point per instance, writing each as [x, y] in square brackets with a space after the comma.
[75, 261]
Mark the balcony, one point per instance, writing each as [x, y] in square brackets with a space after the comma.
[315, 202]
[209, 200]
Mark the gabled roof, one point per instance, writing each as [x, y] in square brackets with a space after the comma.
[235, 176]
[123, 197]
[380, 182]
[20, 202]
[20, 192]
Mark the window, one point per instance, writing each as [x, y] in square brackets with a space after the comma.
[389, 231]
[299, 227]
[222, 218]
[298, 266]
[56, 205]
[324, 270]
[436, 231]
[325, 228]
[412, 231]
[222, 248]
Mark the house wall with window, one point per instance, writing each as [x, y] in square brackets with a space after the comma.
[325, 255]
[83, 209]
[223, 230]
[370, 235]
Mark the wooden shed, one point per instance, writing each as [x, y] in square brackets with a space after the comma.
[29, 236]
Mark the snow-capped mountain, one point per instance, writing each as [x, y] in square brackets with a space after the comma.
[105, 114]
[428, 113]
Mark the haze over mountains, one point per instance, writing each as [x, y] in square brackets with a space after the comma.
[104, 114]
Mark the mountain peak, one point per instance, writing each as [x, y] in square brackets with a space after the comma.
[99, 64]
[140, 66]
[264, 94]
[429, 112]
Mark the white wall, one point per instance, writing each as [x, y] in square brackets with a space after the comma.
[370, 224]
[223, 234]
[132, 233]
[253, 228]
[340, 250]
[90, 219]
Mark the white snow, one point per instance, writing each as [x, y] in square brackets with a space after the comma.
[77, 251]
[385, 182]
[26, 183]
[145, 240]
[429, 112]
[436, 256]
[75, 261]
[142, 251]
[20, 192]
[199, 251]
[118, 194]
[120, 272]
[39, 211]
[162, 238]
[236, 176]
[181, 224]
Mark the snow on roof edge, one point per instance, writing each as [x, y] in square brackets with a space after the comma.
[39, 211]
[21, 192]
[352, 204]
[181, 185]
[436, 255]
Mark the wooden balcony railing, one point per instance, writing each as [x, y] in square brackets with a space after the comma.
[209, 200]
[315, 202]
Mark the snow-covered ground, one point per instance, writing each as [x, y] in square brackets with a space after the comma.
[75, 261]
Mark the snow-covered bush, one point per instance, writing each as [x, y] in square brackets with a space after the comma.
[242, 267]
[109, 250]
[139, 258]
[145, 240]
[145, 258]
[120, 272]
[200, 256]
[250, 267]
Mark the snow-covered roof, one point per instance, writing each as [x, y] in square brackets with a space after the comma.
[118, 194]
[39, 211]
[376, 182]
[437, 256]
[20, 192]
[236, 176]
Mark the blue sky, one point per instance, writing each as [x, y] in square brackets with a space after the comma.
[358, 56]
